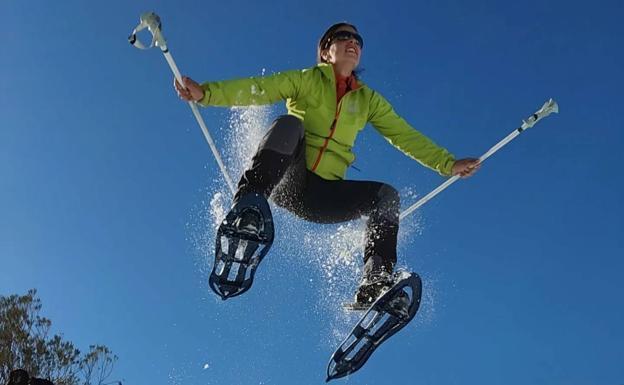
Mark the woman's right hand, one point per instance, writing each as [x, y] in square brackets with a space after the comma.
[466, 167]
[191, 91]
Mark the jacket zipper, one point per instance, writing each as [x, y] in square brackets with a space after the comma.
[331, 134]
[331, 130]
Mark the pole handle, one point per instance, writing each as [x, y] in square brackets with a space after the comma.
[548, 108]
[151, 21]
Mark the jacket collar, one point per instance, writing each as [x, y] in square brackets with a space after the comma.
[328, 71]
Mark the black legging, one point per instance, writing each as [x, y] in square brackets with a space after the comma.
[279, 171]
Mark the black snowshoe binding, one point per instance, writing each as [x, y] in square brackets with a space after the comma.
[243, 239]
[370, 288]
[387, 315]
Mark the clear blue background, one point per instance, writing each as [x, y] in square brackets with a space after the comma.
[105, 179]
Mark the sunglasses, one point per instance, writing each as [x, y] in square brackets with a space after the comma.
[343, 36]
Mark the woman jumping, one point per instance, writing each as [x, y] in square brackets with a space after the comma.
[302, 161]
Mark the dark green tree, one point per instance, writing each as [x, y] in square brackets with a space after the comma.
[26, 343]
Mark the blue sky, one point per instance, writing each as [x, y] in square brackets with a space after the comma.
[106, 184]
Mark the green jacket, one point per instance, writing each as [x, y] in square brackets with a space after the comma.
[330, 128]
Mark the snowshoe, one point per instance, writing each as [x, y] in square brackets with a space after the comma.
[387, 315]
[243, 239]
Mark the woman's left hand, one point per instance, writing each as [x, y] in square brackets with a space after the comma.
[466, 167]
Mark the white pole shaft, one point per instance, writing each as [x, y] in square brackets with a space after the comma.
[548, 108]
[428, 197]
[200, 120]
[151, 21]
[454, 179]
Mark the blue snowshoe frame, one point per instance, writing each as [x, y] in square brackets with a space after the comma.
[238, 254]
[382, 320]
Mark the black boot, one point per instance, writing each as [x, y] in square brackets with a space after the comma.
[249, 222]
[372, 287]
[376, 279]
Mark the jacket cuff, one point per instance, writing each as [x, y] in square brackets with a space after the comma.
[447, 166]
[206, 99]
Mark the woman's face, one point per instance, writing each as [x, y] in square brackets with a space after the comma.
[344, 51]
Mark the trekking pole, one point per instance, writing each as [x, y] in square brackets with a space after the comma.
[548, 108]
[151, 21]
